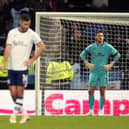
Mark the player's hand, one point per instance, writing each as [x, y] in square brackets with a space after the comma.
[108, 66]
[28, 62]
[90, 66]
[3, 66]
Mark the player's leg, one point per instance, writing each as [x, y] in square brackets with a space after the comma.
[14, 90]
[91, 90]
[22, 82]
[19, 100]
[92, 86]
[103, 84]
[102, 100]
[13, 93]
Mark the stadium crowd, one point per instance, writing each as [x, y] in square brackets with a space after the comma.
[11, 9]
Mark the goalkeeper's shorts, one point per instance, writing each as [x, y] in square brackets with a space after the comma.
[97, 79]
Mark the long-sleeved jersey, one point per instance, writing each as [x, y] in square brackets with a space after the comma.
[100, 55]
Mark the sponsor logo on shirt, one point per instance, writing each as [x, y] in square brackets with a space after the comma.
[19, 43]
[98, 54]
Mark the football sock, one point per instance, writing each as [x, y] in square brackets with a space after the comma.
[102, 100]
[18, 105]
[91, 102]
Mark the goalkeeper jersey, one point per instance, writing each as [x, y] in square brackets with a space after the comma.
[99, 55]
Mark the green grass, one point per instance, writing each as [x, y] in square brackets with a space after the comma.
[68, 122]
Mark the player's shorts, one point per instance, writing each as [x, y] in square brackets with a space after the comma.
[96, 79]
[17, 78]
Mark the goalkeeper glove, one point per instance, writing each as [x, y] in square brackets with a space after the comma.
[108, 66]
[90, 66]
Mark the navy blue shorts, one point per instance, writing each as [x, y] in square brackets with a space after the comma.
[17, 78]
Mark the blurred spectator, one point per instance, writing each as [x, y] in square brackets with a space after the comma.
[100, 5]
[49, 5]
[32, 9]
[18, 8]
[76, 82]
[91, 29]
[79, 6]
[75, 41]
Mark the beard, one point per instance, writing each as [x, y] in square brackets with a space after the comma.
[100, 42]
[23, 29]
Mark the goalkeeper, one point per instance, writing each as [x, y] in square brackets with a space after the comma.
[99, 67]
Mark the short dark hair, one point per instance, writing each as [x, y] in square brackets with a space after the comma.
[25, 17]
[99, 31]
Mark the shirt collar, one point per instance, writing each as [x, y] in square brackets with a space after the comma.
[99, 45]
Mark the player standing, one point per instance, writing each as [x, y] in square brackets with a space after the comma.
[18, 48]
[99, 67]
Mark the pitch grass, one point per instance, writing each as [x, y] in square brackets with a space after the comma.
[68, 122]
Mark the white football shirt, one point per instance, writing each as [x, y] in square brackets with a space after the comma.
[21, 46]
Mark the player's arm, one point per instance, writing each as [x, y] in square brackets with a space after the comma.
[6, 55]
[39, 51]
[83, 56]
[116, 56]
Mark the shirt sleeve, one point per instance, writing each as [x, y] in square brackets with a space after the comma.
[9, 38]
[115, 53]
[36, 38]
[84, 53]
